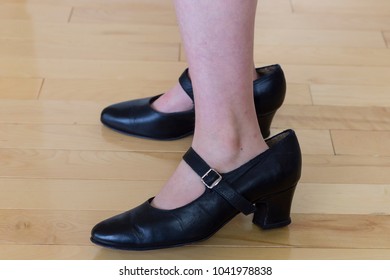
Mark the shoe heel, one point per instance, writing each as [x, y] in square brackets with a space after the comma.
[274, 211]
[265, 123]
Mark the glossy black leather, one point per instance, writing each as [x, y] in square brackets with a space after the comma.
[267, 181]
[138, 118]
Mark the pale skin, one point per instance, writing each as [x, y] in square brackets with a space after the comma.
[218, 40]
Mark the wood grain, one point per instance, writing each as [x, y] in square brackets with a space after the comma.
[16, 88]
[374, 143]
[118, 195]
[350, 95]
[89, 252]
[362, 7]
[44, 227]
[37, 12]
[61, 171]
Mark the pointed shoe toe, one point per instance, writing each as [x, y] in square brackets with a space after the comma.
[113, 232]
[264, 186]
[138, 118]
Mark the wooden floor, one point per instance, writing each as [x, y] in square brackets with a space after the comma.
[61, 172]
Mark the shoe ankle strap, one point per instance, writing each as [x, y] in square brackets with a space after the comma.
[186, 84]
[215, 181]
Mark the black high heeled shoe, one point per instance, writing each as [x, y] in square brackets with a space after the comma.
[264, 186]
[139, 118]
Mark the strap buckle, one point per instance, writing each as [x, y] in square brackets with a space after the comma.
[211, 178]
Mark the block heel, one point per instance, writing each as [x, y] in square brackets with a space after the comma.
[274, 211]
[265, 123]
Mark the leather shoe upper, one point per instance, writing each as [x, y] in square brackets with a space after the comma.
[139, 118]
[145, 227]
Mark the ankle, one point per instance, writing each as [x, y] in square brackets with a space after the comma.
[230, 150]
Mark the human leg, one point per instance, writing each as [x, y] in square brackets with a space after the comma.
[227, 138]
[221, 62]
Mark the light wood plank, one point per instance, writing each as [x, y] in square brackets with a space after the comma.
[322, 37]
[350, 142]
[363, 7]
[311, 198]
[97, 3]
[274, 7]
[79, 33]
[146, 14]
[38, 227]
[318, 55]
[104, 165]
[16, 88]
[50, 112]
[350, 95]
[386, 35]
[102, 48]
[35, 12]
[298, 94]
[17, 163]
[90, 69]
[107, 90]
[333, 117]
[312, 142]
[86, 137]
[323, 21]
[342, 169]
[338, 75]
[90, 252]
[57, 194]
[334, 231]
